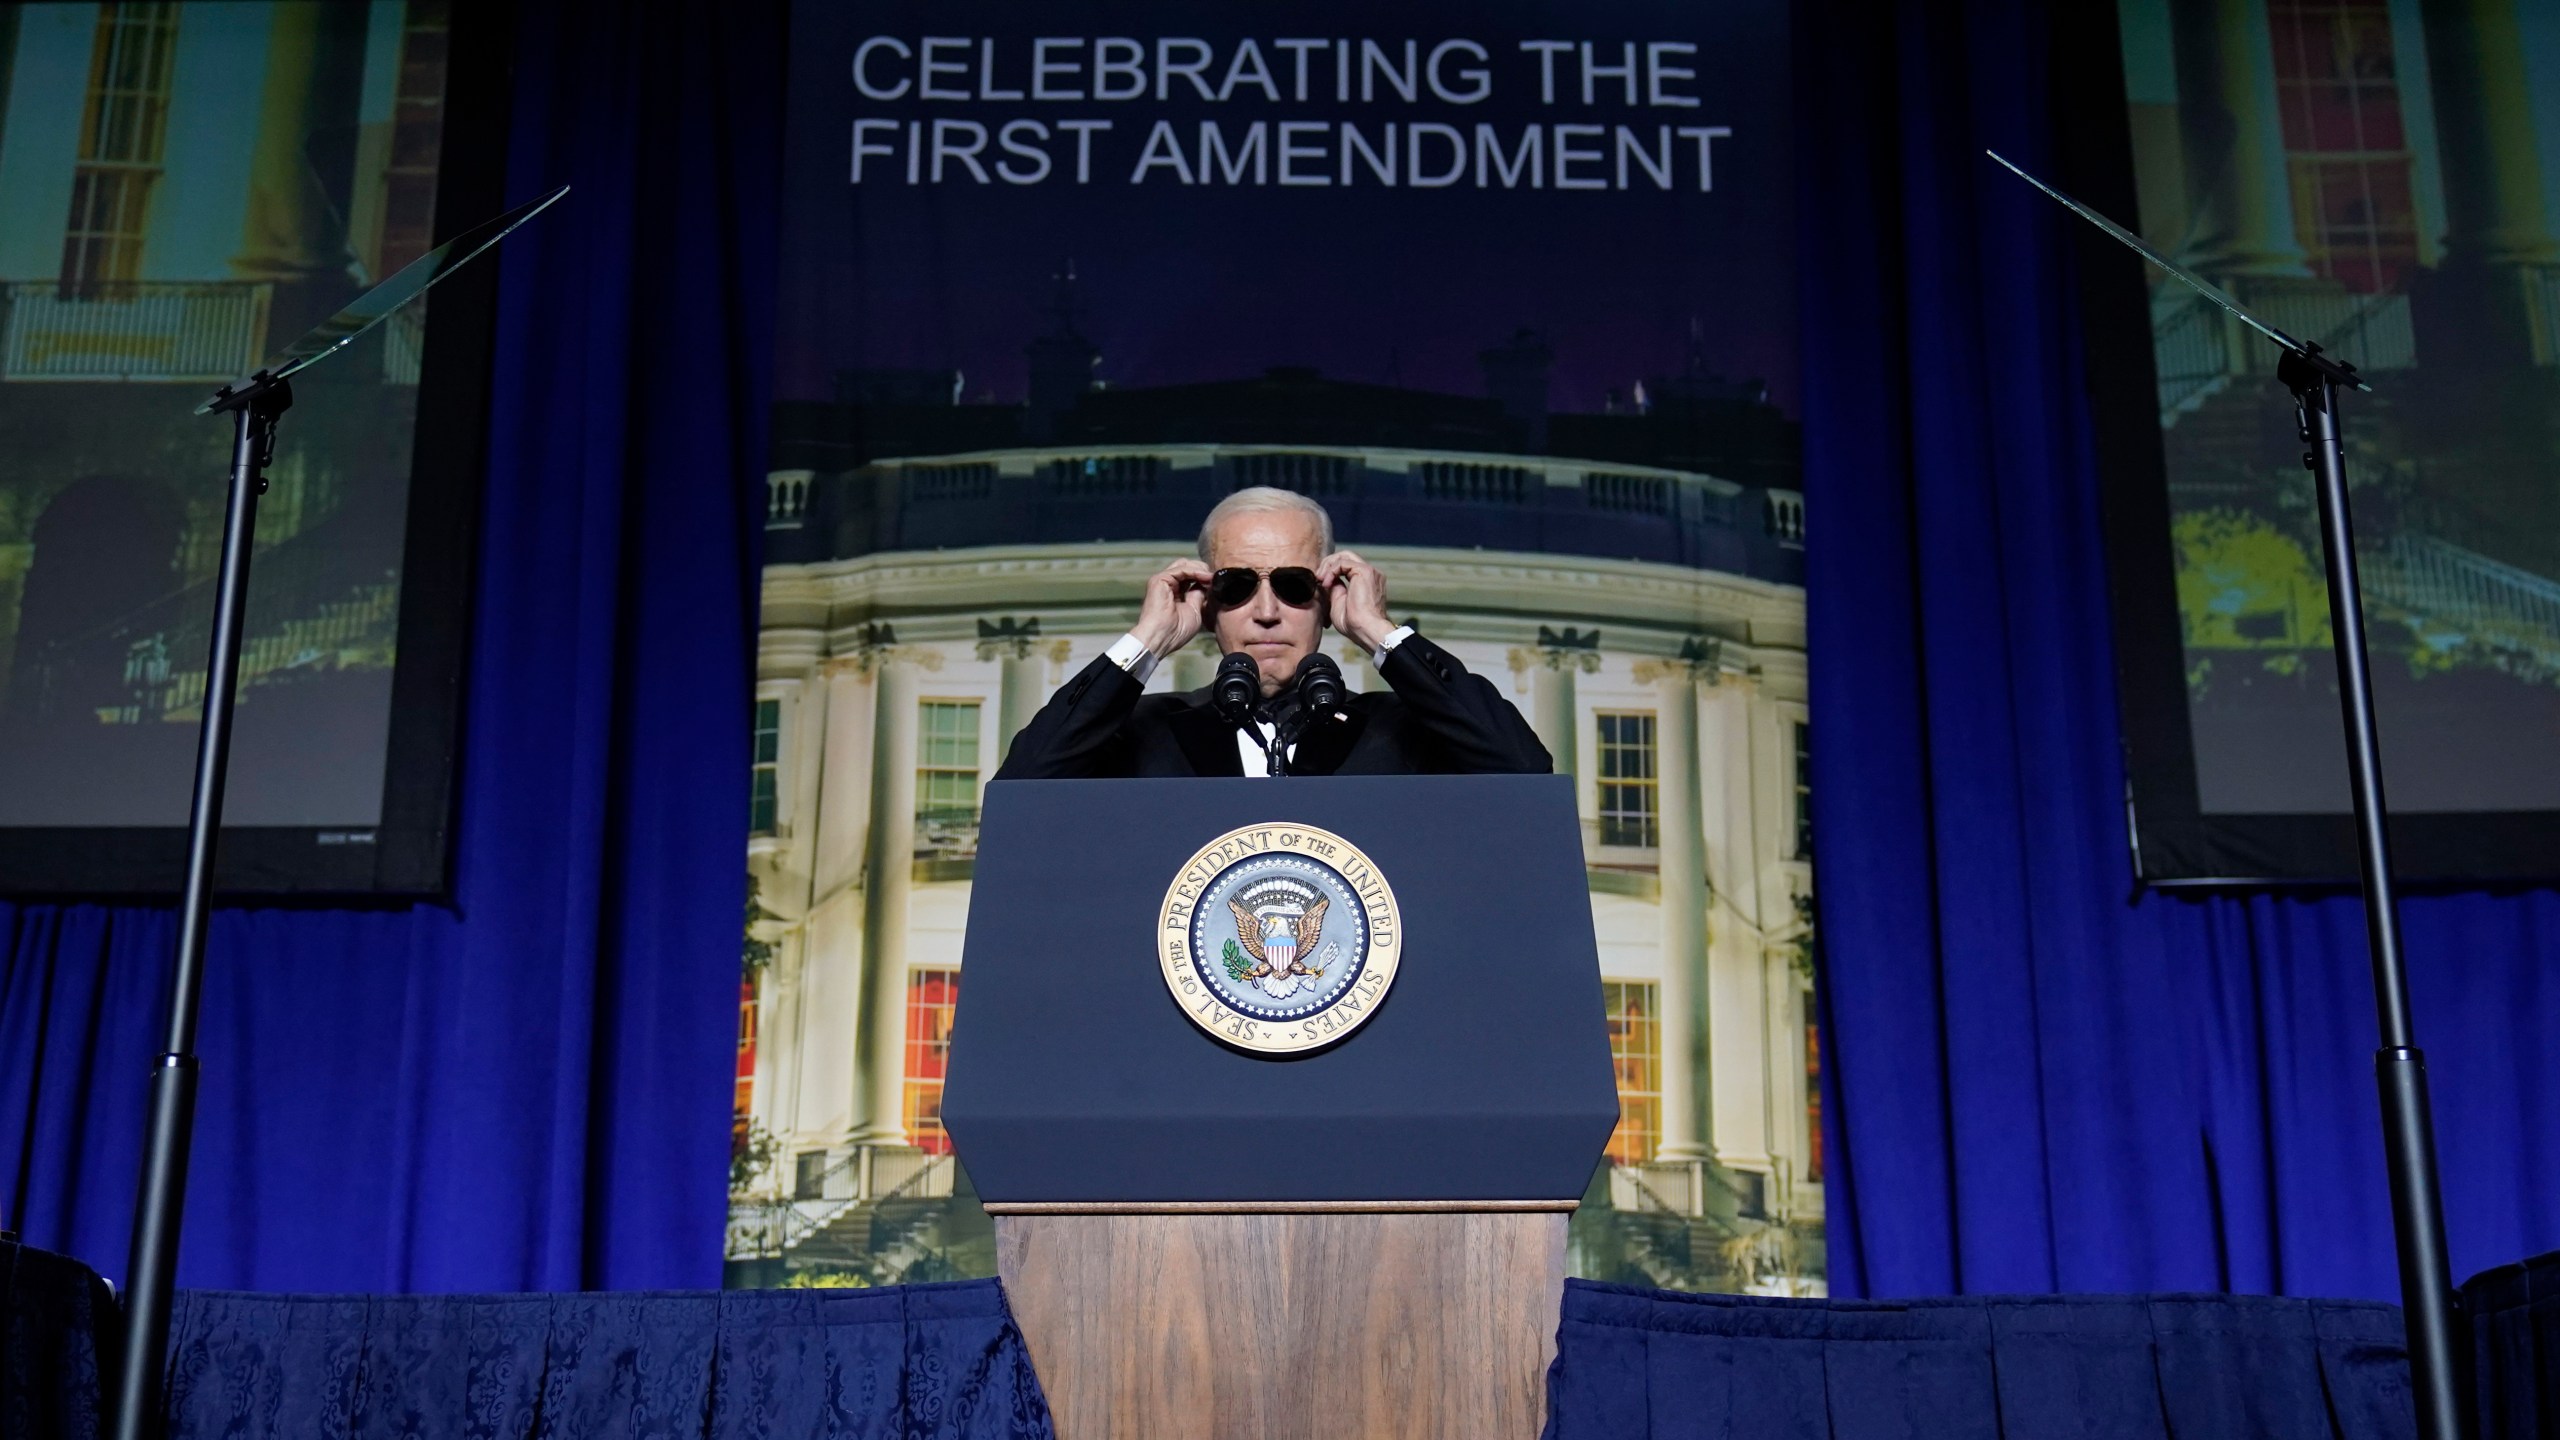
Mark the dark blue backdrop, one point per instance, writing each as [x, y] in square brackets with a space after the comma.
[526, 1090]
[2038, 1080]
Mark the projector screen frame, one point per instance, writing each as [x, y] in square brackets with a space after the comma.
[2172, 840]
[406, 855]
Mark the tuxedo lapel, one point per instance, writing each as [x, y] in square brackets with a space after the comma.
[1207, 741]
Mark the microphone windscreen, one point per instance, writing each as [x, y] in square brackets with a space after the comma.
[1320, 686]
[1236, 688]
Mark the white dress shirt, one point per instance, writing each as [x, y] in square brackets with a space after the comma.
[1132, 655]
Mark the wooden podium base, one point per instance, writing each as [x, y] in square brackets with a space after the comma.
[1275, 1322]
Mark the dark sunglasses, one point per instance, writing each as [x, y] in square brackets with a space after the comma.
[1292, 585]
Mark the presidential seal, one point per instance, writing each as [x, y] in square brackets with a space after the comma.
[1279, 938]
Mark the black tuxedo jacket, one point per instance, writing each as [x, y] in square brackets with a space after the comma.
[1439, 720]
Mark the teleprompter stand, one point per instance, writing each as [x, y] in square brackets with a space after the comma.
[2427, 1294]
[151, 1271]
[254, 404]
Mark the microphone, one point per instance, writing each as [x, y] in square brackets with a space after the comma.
[1237, 689]
[1319, 686]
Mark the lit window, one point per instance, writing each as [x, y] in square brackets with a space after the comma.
[1812, 1094]
[947, 763]
[1635, 1049]
[1630, 802]
[744, 1100]
[766, 803]
[124, 131]
[2347, 153]
[932, 995]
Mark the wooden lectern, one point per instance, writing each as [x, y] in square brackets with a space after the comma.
[1200, 1240]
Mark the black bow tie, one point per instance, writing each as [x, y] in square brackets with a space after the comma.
[1279, 711]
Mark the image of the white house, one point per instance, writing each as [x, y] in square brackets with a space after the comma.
[936, 569]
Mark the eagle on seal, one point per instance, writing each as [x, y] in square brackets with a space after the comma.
[1276, 942]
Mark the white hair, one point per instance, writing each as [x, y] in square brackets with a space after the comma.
[1266, 500]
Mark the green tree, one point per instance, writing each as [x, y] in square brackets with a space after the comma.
[752, 1151]
[757, 953]
[1805, 950]
[2243, 584]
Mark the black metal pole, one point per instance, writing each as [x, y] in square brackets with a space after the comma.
[151, 1271]
[2408, 1131]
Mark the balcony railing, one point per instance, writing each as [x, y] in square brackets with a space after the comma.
[2190, 350]
[1302, 471]
[787, 498]
[2485, 601]
[2370, 332]
[1092, 475]
[947, 832]
[860, 1180]
[2542, 311]
[1484, 484]
[133, 330]
[1783, 512]
[2198, 349]
[404, 344]
[321, 604]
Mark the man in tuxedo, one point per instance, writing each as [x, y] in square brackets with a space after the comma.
[1268, 583]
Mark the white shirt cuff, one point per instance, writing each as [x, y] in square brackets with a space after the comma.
[1387, 642]
[1131, 654]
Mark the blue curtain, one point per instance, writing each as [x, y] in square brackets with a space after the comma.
[2039, 1080]
[526, 1089]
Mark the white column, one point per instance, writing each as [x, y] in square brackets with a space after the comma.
[777, 1015]
[2490, 152]
[880, 1044]
[1736, 1122]
[777, 1009]
[293, 232]
[1717, 798]
[2233, 141]
[1195, 665]
[826, 1041]
[1552, 711]
[1687, 1093]
[2413, 69]
[839, 803]
[821, 1036]
[1021, 691]
[1360, 671]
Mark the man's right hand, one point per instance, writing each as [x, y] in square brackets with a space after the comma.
[1175, 608]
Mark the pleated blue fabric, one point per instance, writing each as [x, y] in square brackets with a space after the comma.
[2514, 1315]
[917, 1362]
[60, 1337]
[1652, 1365]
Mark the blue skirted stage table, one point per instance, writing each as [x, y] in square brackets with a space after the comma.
[59, 1335]
[902, 1361]
[2514, 1313]
[918, 1361]
[1635, 1363]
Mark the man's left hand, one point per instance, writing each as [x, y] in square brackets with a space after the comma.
[1358, 594]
